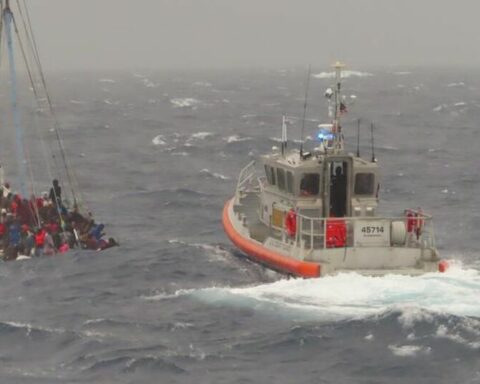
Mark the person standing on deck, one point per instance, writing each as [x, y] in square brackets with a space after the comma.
[56, 193]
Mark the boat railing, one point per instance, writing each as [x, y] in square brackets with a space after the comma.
[248, 180]
[364, 231]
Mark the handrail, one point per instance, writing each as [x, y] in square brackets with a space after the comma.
[312, 232]
[246, 175]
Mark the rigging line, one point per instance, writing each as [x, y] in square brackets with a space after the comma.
[38, 100]
[7, 14]
[34, 47]
[34, 89]
[56, 125]
[304, 110]
[1, 32]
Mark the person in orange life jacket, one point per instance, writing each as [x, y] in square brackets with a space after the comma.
[40, 241]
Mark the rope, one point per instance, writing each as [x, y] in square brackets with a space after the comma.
[13, 96]
[70, 176]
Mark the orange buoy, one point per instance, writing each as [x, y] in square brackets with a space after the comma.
[443, 266]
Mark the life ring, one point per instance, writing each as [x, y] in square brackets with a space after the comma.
[415, 222]
[411, 220]
[291, 223]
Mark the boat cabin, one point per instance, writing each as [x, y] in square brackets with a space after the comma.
[319, 185]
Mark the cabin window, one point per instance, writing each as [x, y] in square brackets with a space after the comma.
[270, 172]
[310, 184]
[281, 179]
[364, 183]
[289, 182]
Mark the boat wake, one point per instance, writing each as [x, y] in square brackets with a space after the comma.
[350, 296]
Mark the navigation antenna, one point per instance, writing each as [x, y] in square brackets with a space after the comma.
[284, 135]
[358, 138]
[304, 111]
[374, 160]
[339, 105]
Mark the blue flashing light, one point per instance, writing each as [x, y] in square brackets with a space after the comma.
[324, 134]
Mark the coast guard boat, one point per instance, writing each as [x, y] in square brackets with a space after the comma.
[314, 213]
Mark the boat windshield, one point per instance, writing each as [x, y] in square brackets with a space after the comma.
[310, 184]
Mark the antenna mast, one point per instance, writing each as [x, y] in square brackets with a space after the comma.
[304, 111]
[358, 138]
[374, 160]
[339, 107]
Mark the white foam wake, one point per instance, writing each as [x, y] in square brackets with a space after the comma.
[353, 296]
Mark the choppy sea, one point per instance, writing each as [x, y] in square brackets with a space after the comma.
[157, 154]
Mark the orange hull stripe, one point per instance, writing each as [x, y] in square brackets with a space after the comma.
[266, 256]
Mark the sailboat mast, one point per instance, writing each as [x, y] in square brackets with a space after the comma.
[7, 18]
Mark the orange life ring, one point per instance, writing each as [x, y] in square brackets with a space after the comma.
[411, 221]
[291, 223]
[415, 222]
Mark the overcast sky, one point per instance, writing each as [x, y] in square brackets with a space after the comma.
[136, 34]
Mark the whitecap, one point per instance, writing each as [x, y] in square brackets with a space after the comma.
[408, 350]
[148, 83]
[236, 138]
[179, 154]
[184, 102]
[440, 107]
[460, 104]
[201, 135]
[77, 102]
[345, 74]
[159, 140]
[109, 81]
[110, 102]
[215, 175]
[402, 73]
[459, 84]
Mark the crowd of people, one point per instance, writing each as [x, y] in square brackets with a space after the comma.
[43, 226]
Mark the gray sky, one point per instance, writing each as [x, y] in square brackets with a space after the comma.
[121, 34]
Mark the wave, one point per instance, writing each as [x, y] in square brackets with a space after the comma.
[459, 84]
[201, 135]
[353, 296]
[110, 102]
[345, 74]
[236, 139]
[148, 83]
[215, 175]
[159, 140]
[186, 102]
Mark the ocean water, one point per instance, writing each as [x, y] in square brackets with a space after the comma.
[157, 155]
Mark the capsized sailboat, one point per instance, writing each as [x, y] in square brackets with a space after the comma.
[35, 223]
[314, 213]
